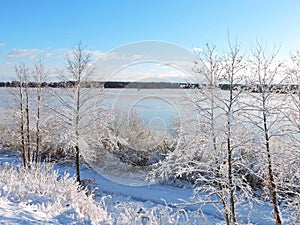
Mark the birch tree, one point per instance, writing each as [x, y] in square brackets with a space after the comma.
[78, 112]
[207, 103]
[233, 66]
[291, 170]
[293, 75]
[40, 77]
[264, 114]
[227, 137]
[208, 153]
[78, 68]
[22, 73]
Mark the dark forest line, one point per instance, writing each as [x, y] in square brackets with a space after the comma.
[279, 88]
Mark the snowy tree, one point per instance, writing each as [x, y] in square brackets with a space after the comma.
[207, 102]
[209, 153]
[29, 98]
[291, 171]
[78, 114]
[264, 113]
[40, 77]
[293, 76]
[233, 75]
[22, 72]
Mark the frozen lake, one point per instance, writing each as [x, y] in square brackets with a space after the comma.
[158, 107]
[155, 106]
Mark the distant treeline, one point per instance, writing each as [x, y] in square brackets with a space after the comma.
[278, 88]
[107, 84]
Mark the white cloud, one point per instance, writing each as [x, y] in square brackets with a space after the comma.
[197, 49]
[119, 56]
[19, 53]
[2, 44]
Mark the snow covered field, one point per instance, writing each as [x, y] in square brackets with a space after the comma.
[38, 198]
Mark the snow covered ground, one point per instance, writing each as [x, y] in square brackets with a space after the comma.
[119, 204]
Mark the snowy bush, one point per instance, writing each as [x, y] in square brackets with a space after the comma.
[54, 195]
[132, 142]
[136, 214]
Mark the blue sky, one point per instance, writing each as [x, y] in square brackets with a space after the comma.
[46, 29]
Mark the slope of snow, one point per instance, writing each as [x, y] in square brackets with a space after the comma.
[118, 203]
[46, 197]
[175, 197]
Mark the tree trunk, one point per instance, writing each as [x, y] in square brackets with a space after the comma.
[38, 138]
[214, 139]
[27, 123]
[224, 203]
[230, 179]
[77, 163]
[229, 152]
[272, 185]
[77, 120]
[22, 131]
